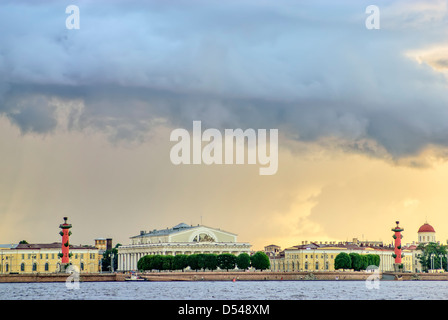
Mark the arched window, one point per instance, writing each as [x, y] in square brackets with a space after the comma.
[82, 265]
[7, 267]
[34, 266]
[306, 265]
[317, 265]
[22, 267]
[46, 267]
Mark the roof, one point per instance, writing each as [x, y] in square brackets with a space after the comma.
[8, 246]
[350, 246]
[54, 245]
[426, 228]
[177, 228]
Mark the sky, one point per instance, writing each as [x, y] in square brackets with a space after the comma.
[86, 116]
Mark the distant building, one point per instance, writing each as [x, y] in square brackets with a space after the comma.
[180, 239]
[272, 250]
[103, 243]
[320, 256]
[426, 233]
[45, 258]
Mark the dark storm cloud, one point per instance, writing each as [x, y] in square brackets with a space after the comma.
[309, 68]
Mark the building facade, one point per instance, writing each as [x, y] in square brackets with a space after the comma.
[180, 239]
[45, 258]
[316, 256]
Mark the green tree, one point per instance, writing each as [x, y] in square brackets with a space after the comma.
[432, 256]
[156, 262]
[180, 262]
[226, 261]
[23, 242]
[260, 261]
[211, 261]
[167, 262]
[357, 261]
[243, 261]
[144, 263]
[201, 261]
[193, 262]
[106, 260]
[371, 260]
[342, 261]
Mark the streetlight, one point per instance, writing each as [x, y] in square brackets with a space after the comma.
[112, 262]
[432, 261]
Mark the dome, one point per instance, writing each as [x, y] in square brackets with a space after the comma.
[426, 228]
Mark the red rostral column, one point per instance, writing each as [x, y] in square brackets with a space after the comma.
[65, 233]
[397, 236]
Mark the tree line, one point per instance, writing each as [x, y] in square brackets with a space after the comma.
[356, 261]
[204, 261]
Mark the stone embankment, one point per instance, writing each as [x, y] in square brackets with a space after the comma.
[226, 276]
[252, 276]
[59, 277]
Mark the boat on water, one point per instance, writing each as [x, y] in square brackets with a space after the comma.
[134, 277]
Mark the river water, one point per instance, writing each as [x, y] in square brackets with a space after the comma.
[228, 290]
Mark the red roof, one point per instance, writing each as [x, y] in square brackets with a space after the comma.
[426, 228]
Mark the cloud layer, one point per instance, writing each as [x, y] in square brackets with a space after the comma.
[311, 69]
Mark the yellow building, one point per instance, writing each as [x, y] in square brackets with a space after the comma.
[320, 256]
[44, 258]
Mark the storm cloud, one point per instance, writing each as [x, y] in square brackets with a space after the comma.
[309, 68]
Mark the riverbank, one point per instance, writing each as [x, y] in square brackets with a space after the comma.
[60, 277]
[227, 276]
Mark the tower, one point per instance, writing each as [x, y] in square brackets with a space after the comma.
[426, 233]
[65, 233]
[397, 248]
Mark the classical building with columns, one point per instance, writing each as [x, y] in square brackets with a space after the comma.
[180, 239]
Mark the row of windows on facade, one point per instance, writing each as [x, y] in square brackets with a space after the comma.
[34, 256]
[306, 266]
[46, 267]
[296, 256]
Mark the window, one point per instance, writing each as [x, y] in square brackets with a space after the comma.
[34, 267]
[82, 266]
[317, 265]
[46, 267]
[22, 267]
[7, 267]
[46, 256]
[52, 256]
[23, 256]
